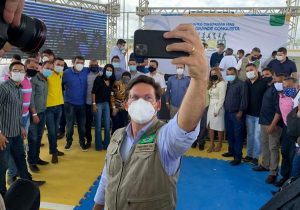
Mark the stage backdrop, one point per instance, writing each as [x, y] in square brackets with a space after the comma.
[71, 32]
[235, 31]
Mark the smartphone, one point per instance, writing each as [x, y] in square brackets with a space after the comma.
[152, 44]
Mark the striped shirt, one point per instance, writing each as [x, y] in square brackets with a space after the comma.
[10, 109]
[90, 82]
[26, 90]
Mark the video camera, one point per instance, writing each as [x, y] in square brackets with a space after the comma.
[29, 36]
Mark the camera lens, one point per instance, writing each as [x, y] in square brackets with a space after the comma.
[29, 36]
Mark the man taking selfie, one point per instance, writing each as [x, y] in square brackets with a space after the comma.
[143, 159]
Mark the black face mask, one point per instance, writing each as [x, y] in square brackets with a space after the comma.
[152, 69]
[31, 72]
[268, 79]
[94, 69]
[214, 78]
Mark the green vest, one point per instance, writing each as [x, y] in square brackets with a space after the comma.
[139, 183]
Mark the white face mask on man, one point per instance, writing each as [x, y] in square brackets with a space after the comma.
[17, 76]
[79, 67]
[141, 111]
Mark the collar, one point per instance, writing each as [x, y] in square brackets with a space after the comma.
[13, 84]
[182, 77]
[140, 133]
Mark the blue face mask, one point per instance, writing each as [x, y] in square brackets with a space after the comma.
[116, 65]
[47, 73]
[230, 78]
[94, 69]
[290, 92]
[108, 74]
[132, 68]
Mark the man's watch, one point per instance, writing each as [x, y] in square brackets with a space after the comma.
[34, 114]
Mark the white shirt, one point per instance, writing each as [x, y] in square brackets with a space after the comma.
[159, 78]
[296, 100]
[115, 51]
[4, 69]
[227, 62]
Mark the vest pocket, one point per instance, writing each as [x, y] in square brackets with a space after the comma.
[158, 202]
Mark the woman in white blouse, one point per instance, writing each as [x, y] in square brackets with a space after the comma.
[215, 114]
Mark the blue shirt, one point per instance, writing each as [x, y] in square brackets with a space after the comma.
[287, 67]
[172, 143]
[75, 86]
[176, 89]
[215, 59]
[236, 98]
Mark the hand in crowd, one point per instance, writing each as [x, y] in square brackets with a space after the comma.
[13, 11]
[215, 114]
[197, 61]
[270, 129]
[239, 115]
[12, 15]
[95, 109]
[3, 141]
[115, 112]
[23, 133]
[36, 119]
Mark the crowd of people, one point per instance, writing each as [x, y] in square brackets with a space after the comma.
[252, 100]
[246, 101]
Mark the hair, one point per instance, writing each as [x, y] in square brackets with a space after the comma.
[283, 50]
[221, 44]
[115, 57]
[247, 54]
[131, 59]
[58, 59]
[229, 51]
[17, 57]
[146, 80]
[205, 44]
[232, 69]
[267, 69]
[49, 52]
[126, 73]
[154, 61]
[256, 49]
[79, 57]
[47, 62]
[241, 51]
[15, 63]
[251, 64]
[290, 79]
[218, 71]
[274, 53]
[111, 79]
[121, 41]
[29, 60]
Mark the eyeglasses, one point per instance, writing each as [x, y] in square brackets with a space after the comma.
[17, 70]
[148, 98]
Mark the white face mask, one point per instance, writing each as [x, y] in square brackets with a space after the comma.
[141, 111]
[79, 67]
[45, 58]
[278, 86]
[251, 74]
[17, 76]
[280, 57]
[58, 69]
[180, 71]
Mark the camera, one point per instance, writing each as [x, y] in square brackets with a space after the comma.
[29, 36]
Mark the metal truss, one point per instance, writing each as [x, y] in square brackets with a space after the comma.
[113, 12]
[293, 24]
[142, 11]
[82, 4]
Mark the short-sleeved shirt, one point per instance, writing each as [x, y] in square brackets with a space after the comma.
[287, 67]
[270, 106]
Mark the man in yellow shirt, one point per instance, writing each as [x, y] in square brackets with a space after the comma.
[55, 101]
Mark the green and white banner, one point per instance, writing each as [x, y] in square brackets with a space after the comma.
[235, 31]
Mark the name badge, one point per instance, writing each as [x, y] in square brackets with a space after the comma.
[145, 147]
